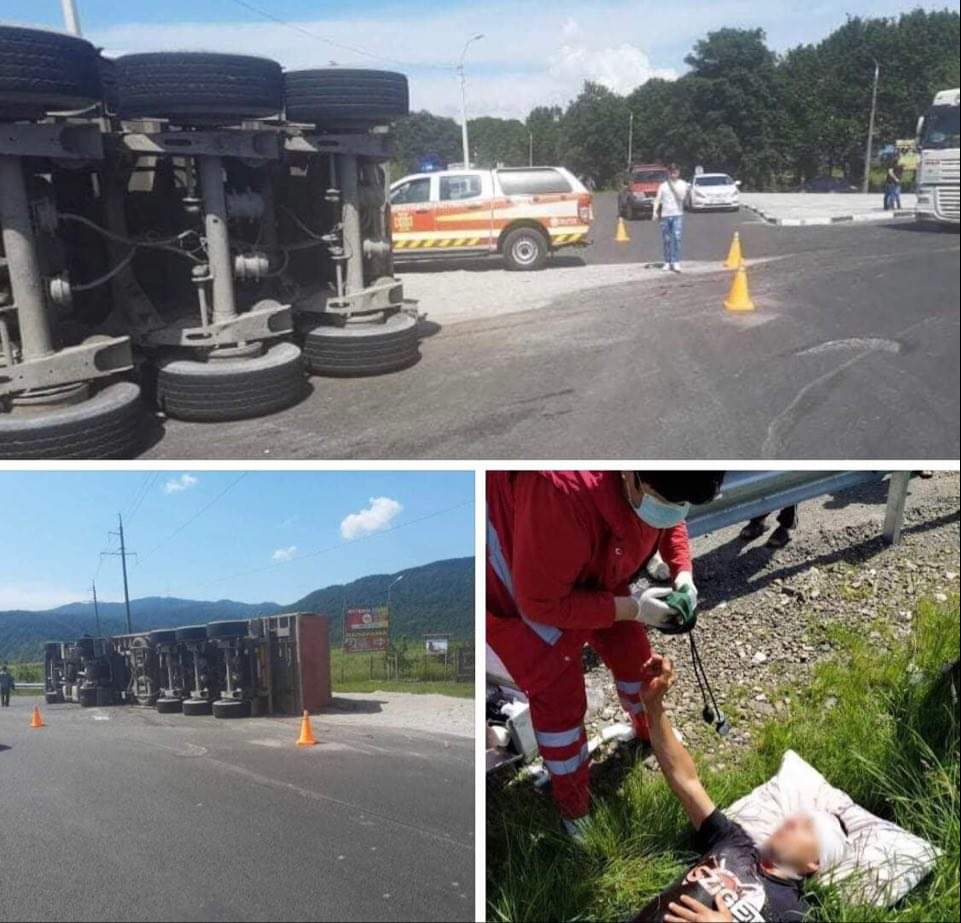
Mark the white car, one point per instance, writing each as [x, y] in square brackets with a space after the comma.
[713, 190]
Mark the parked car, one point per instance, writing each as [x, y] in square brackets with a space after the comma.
[827, 184]
[636, 198]
[713, 190]
[522, 214]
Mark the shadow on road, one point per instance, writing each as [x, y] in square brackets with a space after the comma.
[357, 706]
[918, 227]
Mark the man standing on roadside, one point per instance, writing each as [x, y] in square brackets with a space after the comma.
[7, 685]
[669, 207]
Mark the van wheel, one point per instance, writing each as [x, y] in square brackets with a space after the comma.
[525, 249]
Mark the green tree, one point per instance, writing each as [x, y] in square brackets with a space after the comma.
[594, 131]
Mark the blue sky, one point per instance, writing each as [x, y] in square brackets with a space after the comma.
[55, 523]
[531, 52]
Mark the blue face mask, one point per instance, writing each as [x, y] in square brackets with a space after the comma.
[661, 515]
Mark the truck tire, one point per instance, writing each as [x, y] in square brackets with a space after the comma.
[163, 636]
[341, 97]
[195, 708]
[236, 628]
[108, 425]
[87, 698]
[52, 698]
[191, 633]
[356, 350]
[525, 249]
[193, 87]
[43, 72]
[231, 708]
[232, 389]
[169, 706]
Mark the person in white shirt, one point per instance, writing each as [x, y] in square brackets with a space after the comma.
[669, 207]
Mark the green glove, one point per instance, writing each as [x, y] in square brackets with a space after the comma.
[685, 618]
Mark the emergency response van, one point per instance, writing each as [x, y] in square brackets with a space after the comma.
[522, 213]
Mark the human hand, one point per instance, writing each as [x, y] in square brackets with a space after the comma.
[693, 911]
[658, 676]
[651, 608]
[685, 581]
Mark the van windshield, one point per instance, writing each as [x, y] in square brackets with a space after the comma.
[941, 127]
[648, 176]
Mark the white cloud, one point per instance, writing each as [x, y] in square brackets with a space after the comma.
[284, 554]
[176, 485]
[33, 595]
[375, 517]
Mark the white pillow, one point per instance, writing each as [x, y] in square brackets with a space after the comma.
[883, 862]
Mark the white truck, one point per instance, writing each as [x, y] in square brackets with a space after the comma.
[938, 173]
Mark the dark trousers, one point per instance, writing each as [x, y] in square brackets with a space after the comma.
[5, 697]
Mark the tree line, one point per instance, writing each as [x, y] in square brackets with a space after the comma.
[773, 120]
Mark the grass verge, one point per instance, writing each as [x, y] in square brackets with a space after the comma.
[879, 720]
[458, 690]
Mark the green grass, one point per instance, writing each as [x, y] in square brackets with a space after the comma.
[890, 741]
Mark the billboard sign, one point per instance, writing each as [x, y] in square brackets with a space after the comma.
[366, 630]
[436, 645]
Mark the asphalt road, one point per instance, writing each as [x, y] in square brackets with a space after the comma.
[124, 814]
[853, 352]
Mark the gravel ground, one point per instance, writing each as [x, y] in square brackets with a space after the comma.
[439, 714]
[763, 612]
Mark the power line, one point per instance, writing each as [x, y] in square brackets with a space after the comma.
[339, 545]
[322, 38]
[195, 516]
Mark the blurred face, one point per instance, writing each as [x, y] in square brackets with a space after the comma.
[794, 846]
[675, 174]
[665, 512]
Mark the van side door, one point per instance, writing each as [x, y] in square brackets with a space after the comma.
[412, 212]
[464, 211]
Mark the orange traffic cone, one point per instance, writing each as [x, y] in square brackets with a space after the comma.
[738, 298]
[306, 738]
[622, 237]
[734, 256]
[36, 721]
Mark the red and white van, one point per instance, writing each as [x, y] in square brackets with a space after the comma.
[522, 213]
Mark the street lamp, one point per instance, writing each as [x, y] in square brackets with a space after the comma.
[463, 96]
[867, 152]
[71, 18]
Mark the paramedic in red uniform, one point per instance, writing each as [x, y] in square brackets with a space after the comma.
[563, 548]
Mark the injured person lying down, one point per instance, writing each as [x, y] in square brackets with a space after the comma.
[733, 879]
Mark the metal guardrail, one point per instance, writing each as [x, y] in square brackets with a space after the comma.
[746, 494]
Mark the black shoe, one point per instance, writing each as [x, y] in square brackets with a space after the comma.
[753, 530]
[779, 537]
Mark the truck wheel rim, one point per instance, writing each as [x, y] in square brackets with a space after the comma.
[525, 250]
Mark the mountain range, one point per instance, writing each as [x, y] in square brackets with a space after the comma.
[435, 597]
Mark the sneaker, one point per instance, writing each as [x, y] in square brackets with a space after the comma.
[779, 537]
[577, 829]
[675, 267]
[753, 530]
[665, 267]
[657, 569]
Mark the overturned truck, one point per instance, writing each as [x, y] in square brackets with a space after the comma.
[188, 232]
[277, 664]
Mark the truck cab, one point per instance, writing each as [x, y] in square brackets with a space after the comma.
[938, 169]
[522, 214]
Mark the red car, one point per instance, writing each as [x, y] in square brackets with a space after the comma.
[636, 199]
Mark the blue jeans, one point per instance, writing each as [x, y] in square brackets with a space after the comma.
[671, 229]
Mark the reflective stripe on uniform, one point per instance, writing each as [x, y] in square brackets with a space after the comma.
[566, 767]
[628, 688]
[547, 633]
[632, 708]
[559, 738]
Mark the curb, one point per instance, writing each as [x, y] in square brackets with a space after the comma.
[862, 218]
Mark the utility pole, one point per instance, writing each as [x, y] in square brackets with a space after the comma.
[630, 141]
[96, 608]
[123, 554]
[867, 152]
[463, 99]
[71, 19]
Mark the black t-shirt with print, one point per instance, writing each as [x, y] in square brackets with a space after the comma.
[729, 866]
